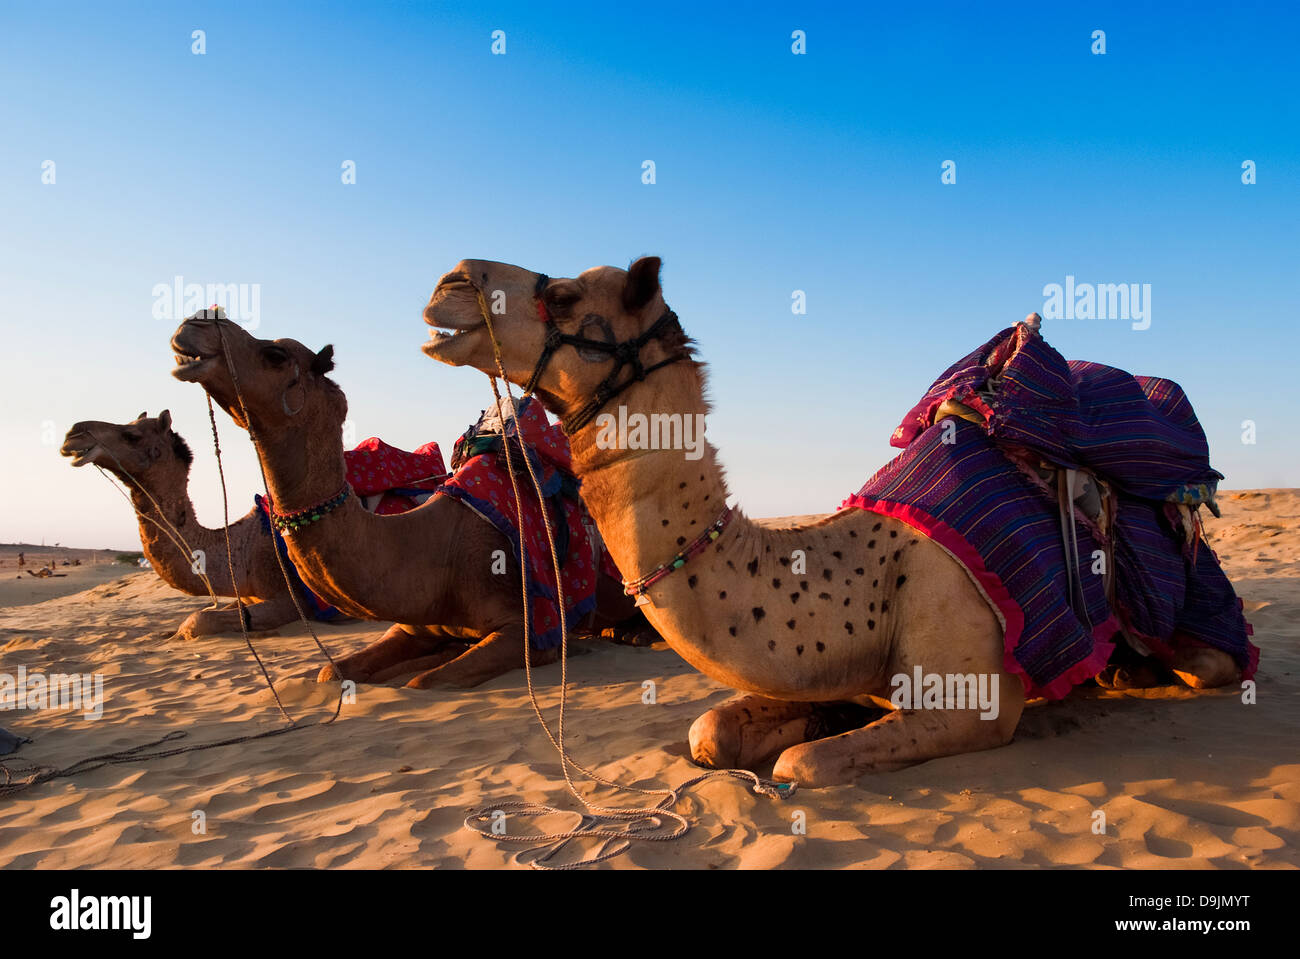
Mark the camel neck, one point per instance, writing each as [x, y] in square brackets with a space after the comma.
[651, 481]
[177, 566]
[303, 470]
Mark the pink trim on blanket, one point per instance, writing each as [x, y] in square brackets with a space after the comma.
[991, 584]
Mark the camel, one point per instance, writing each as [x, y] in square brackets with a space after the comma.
[458, 615]
[802, 619]
[153, 461]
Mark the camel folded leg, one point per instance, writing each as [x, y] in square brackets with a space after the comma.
[401, 649]
[902, 738]
[743, 732]
[1204, 668]
[261, 617]
[495, 654]
[747, 731]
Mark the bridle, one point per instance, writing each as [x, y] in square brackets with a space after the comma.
[625, 353]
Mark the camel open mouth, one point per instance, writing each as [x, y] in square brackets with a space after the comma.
[82, 450]
[449, 314]
[191, 361]
[190, 367]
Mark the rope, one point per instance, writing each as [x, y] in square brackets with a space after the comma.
[617, 827]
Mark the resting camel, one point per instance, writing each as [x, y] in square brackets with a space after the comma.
[459, 622]
[154, 464]
[871, 598]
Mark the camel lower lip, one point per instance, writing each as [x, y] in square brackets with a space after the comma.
[188, 368]
[80, 457]
[440, 342]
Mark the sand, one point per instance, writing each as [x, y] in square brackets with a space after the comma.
[1185, 780]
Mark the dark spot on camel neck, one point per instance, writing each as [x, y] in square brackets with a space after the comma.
[848, 628]
[691, 581]
[752, 566]
[758, 613]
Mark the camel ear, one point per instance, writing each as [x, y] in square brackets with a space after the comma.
[165, 420]
[642, 283]
[323, 361]
[143, 414]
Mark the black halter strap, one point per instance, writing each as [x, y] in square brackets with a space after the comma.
[626, 353]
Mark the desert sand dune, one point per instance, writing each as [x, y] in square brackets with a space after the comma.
[1185, 780]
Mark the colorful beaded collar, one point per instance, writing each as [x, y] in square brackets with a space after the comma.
[287, 522]
[638, 587]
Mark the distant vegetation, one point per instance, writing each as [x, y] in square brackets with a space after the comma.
[130, 559]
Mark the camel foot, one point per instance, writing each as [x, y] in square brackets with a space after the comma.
[1132, 676]
[496, 654]
[1203, 668]
[636, 631]
[401, 644]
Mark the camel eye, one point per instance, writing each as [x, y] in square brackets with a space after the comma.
[561, 300]
[275, 355]
[131, 437]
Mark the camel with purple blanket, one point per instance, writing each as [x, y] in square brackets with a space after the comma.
[949, 576]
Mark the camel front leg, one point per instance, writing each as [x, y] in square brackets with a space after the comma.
[747, 731]
[744, 732]
[262, 617]
[401, 644]
[496, 654]
[904, 737]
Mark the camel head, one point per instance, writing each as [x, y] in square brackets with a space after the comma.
[282, 384]
[604, 303]
[146, 450]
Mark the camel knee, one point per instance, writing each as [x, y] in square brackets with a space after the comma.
[715, 741]
[329, 674]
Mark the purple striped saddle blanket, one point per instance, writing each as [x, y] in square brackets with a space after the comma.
[987, 453]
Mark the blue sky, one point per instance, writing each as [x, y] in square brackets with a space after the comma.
[774, 172]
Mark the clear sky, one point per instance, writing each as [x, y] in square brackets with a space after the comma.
[775, 172]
